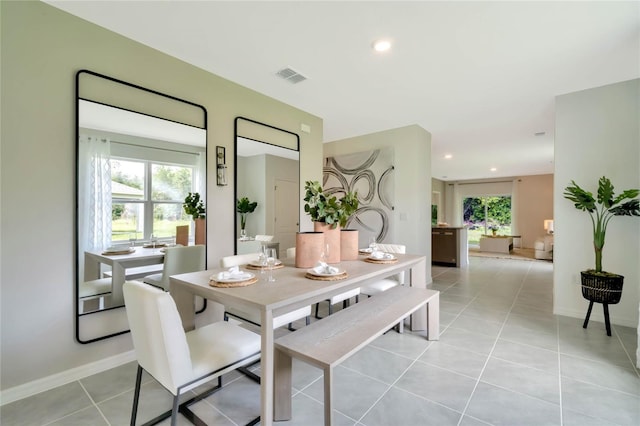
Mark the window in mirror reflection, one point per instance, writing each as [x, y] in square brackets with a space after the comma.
[147, 199]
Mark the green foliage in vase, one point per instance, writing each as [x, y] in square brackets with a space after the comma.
[602, 209]
[194, 206]
[244, 206]
[322, 207]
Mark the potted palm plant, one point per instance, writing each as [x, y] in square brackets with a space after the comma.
[329, 215]
[244, 207]
[194, 206]
[597, 285]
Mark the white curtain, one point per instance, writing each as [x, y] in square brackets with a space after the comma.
[200, 177]
[94, 195]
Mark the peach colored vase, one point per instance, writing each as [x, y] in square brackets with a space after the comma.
[332, 238]
[308, 248]
[201, 231]
[348, 244]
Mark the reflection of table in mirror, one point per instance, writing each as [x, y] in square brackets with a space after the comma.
[253, 246]
[119, 264]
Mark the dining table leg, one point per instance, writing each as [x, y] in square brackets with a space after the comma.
[117, 280]
[185, 304]
[418, 278]
[267, 364]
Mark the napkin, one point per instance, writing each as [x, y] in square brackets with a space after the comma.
[380, 255]
[323, 268]
[233, 273]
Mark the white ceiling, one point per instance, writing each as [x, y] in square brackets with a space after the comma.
[481, 77]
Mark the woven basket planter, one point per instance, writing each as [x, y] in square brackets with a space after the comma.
[601, 289]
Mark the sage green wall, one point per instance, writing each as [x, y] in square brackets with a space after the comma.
[412, 160]
[42, 49]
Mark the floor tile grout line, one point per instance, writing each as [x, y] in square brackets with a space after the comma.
[390, 386]
[473, 391]
[624, 348]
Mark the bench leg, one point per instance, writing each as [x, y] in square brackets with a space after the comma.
[433, 318]
[328, 396]
[282, 386]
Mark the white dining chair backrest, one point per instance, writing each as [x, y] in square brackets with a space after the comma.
[238, 259]
[394, 248]
[265, 238]
[162, 350]
[178, 260]
[291, 252]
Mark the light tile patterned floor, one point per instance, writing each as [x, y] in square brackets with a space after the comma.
[503, 359]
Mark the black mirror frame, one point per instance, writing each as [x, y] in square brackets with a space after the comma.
[78, 315]
[235, 164]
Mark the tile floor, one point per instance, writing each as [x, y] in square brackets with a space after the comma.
[503, 359]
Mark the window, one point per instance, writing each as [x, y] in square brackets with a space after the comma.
[147, 198]
[480, 214]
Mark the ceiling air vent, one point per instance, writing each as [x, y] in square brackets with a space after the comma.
[291, 75]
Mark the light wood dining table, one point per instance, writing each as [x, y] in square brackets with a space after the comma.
[291, 291]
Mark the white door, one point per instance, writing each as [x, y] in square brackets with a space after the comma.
[287, 205]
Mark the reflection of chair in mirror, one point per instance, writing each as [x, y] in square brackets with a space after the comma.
[178, 260]
[181, 361]
[91, 294]
[254, 317]
[182, 235]
[265, 238]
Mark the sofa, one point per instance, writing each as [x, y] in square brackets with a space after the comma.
[543, 248]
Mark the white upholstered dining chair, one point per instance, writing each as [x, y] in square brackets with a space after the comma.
[254, 317]
[392, 281]
[181, 361]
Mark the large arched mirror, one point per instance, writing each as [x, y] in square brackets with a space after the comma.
[267, 172]
[139, 153]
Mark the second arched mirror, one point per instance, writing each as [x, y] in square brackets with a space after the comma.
[267, 172]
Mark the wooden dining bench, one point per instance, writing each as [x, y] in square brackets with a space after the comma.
[328, 342]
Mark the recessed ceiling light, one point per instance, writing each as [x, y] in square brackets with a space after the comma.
[448, 156]
[381, 45]
[493, 169]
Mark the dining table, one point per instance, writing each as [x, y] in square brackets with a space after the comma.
[291, 290]
[131, 258]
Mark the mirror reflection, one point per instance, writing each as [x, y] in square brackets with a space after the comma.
[267, 172]
[139, 154]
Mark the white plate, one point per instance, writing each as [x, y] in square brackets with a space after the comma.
[120, 250]
[258, 265]
[246, 276]
[366, 250]
[387, 256]
[318, 274]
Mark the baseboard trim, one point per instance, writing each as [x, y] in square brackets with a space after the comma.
[47, 383]
[596, 315]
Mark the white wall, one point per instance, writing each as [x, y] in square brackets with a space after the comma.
[42, 49]
[597, 134]
[412, 160]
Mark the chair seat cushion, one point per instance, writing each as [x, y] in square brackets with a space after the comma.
[155, 279]
[344, 296]
[220, 344]
[378, 286]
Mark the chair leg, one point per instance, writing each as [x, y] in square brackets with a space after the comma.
[605, 306]
[307, 320]
[317, 305]
[586, 320]
[174, 411]
[136, 396]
